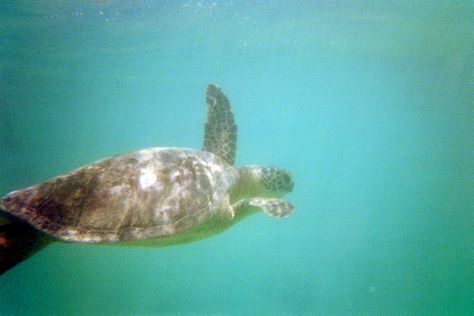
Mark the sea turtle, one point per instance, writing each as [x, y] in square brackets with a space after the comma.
[154, 197]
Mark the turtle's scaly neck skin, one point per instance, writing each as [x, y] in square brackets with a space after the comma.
[247, 186]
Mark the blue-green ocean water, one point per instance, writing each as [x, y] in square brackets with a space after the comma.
[370, 104]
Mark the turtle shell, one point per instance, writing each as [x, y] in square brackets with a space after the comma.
[140, 195]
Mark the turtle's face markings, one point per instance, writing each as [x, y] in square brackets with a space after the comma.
[277, 181]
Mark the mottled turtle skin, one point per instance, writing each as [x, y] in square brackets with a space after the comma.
[154, 196]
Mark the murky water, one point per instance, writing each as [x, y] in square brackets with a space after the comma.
[370, 105]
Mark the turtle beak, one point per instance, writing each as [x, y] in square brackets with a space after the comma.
[289, 181]
[292, 185]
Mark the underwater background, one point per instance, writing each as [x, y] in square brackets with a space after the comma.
[370, 104]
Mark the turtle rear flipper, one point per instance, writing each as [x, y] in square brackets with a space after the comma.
[18, 241]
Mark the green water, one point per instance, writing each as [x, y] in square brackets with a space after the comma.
[369, 104]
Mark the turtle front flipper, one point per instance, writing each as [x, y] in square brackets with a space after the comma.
[220, 134]
[273, 207]
[18, 241]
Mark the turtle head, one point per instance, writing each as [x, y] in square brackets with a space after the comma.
[264, 181]
[276, 182]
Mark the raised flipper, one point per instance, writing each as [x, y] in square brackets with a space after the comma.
[18, 241]
[273, 207]
[220, 134]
